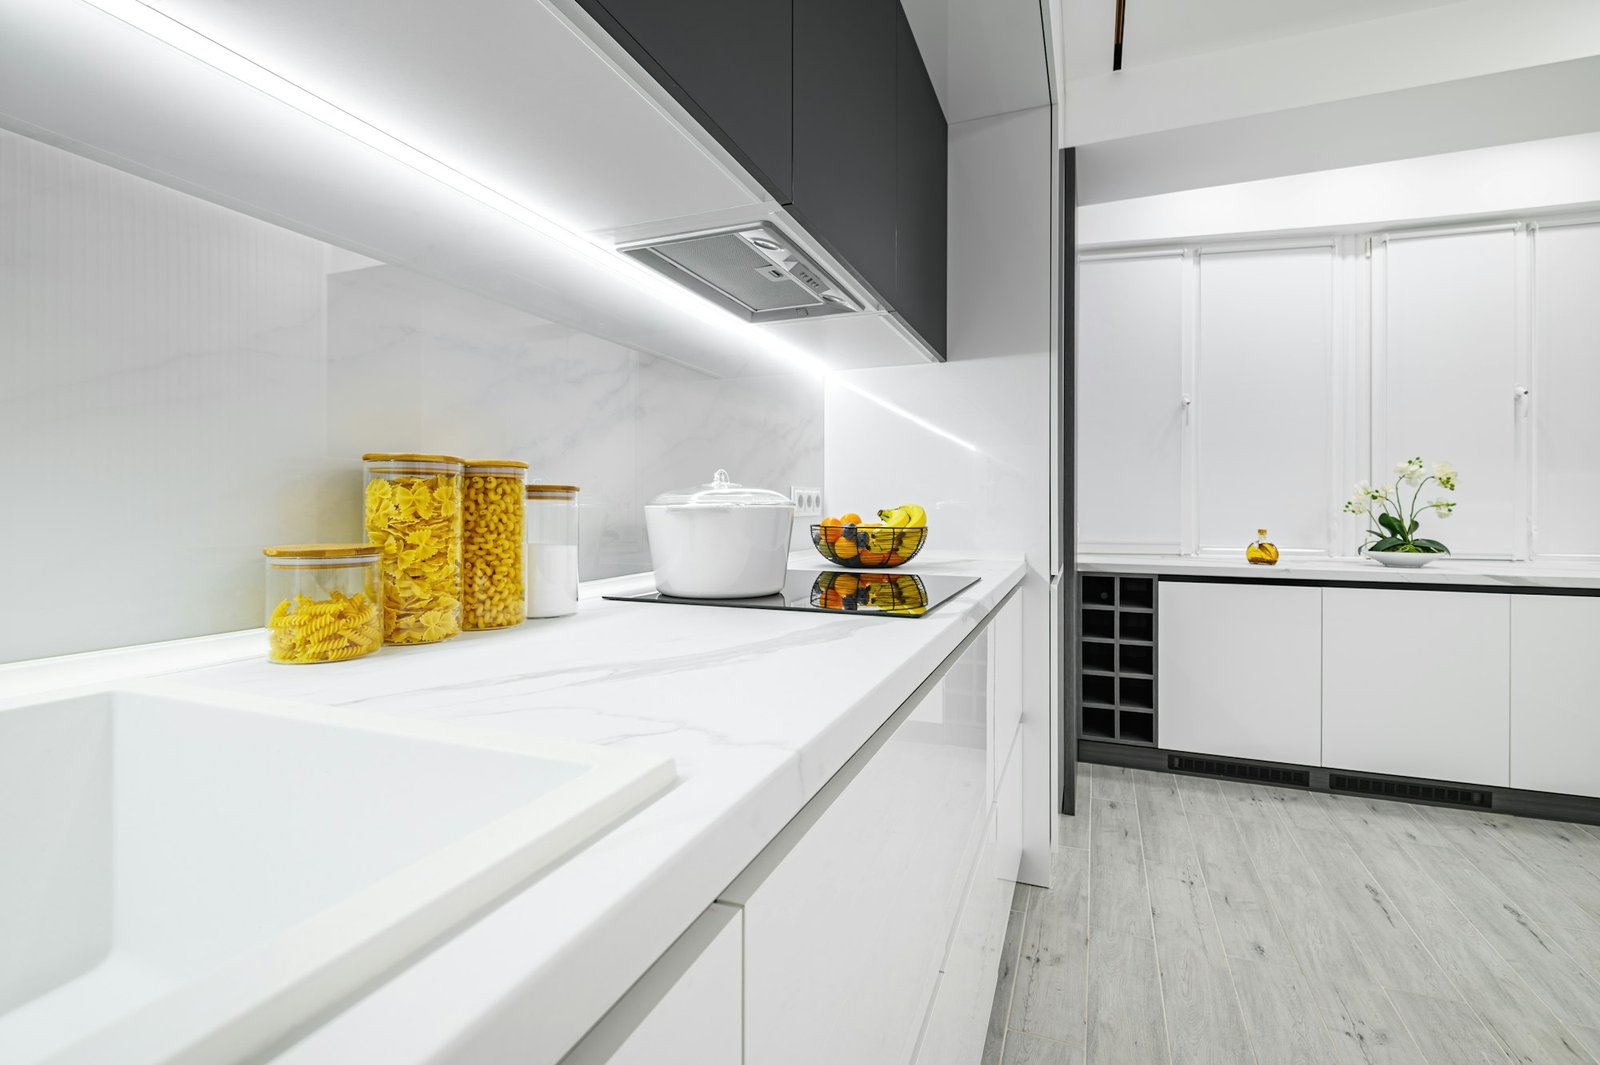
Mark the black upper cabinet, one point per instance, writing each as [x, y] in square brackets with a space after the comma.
[844, 132]
[829, 105]
[921, 237]
[730, 62]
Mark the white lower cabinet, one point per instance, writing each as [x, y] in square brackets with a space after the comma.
[1238, 670]
[849, 914]
[685, 1009]
[1417, 683]
[1555, 673]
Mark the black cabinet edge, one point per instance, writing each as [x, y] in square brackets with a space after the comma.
[1545, 805]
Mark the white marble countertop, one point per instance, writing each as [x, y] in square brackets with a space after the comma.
[758, 708]
[1449, 571]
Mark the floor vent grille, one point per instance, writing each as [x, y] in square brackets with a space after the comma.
[1264, 774]
[1399, 789]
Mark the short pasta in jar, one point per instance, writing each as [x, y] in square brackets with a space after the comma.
[322, 602]
[413, 515]
[493, 592]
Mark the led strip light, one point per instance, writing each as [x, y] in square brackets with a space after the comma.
[191, 42]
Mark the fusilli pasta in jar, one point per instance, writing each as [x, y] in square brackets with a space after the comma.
[413, 514]
[323, 602]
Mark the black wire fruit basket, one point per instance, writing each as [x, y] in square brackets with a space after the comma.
[869, 547]
[876, 593]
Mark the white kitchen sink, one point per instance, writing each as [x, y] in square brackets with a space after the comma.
[194, 877]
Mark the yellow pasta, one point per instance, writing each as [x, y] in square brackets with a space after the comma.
[416, 520]
[492, 521]
[303, 629]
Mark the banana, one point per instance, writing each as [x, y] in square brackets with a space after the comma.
[898, 518]
[918, 516]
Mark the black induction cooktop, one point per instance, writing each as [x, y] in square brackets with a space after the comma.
[873, 593]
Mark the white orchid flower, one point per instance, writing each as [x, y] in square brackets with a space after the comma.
[1410, 471]
[1444, 506]
[1445, 474]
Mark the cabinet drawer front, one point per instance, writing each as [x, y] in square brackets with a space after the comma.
[1417, 683]
[1555, 729]
[1238, 667]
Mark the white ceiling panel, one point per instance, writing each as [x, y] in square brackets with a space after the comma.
[1155, 31]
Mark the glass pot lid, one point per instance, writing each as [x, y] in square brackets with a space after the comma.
[721, 492]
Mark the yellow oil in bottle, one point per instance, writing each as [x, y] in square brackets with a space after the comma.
[1262, 553]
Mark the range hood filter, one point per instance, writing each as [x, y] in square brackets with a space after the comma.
[754, 271]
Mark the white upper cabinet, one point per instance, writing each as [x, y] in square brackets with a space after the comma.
[1130, 403]
[1265, 400]
[1445, 375]
[1566, 351]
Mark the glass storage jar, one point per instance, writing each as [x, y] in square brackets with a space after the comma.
[493, 589]
[323, 602]
[552, 562]
[413, 512]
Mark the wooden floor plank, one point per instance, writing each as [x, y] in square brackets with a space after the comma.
[1163, 826]
[1119, 901]
[1113, 782]
[1025, 1049]
[1276, 1004]
[1000, 1009]
[1204, 1026]
[1126, 1025]
[1534, 953]
[1050, 992]
[1485, 839]
[1247, 924]
[1200, 795]
[1394, 955]
[1449, 1033]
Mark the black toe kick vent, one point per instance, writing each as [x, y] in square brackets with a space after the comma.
[1265, 774]
[1399, 789]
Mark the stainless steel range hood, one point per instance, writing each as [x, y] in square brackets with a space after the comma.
[756, 271]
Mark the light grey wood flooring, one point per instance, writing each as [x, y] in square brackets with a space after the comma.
[1205, 922]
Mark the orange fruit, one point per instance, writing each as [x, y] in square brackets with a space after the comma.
[846, 583]
[895, 558]
[832, 600]
[851, 518]
[845, 549]
[874, 558]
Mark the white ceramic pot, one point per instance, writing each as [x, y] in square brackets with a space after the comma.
[719, 540]
[1404, 559]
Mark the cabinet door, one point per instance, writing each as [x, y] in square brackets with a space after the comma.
[1555, 732]
[848, 913]
[1566, 479]
[1264, 399]
[730, 61]
[844, 132]
[1446, 374]
[922, 196]
[1238, 671]
[1417, 683]
[1130, 404]
[685, 1009]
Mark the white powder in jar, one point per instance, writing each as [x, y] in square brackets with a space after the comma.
[552, 571]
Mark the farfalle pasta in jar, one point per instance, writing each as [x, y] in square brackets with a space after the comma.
[323, 602]
[413, 515]
[492, 588]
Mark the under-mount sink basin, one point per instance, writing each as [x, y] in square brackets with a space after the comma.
[191, 877]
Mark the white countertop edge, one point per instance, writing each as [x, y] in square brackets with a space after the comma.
[517, 986]
[1449, 571]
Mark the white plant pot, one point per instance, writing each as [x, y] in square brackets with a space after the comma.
[1403, 559]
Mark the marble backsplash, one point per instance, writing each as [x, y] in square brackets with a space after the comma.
[181, 384]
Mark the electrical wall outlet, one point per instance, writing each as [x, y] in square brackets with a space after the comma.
[807, 502]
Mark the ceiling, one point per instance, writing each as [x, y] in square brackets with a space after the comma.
[986, 57]
[1155, 31]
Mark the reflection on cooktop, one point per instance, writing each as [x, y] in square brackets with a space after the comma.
[893, 595]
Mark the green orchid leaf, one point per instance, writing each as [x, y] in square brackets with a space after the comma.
[1388, 543]
[1411, 530]
[1391, 523]
[1432, 546]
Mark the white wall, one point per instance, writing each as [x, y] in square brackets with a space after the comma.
[989, 488]
[182, 384]
[1533, 176]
